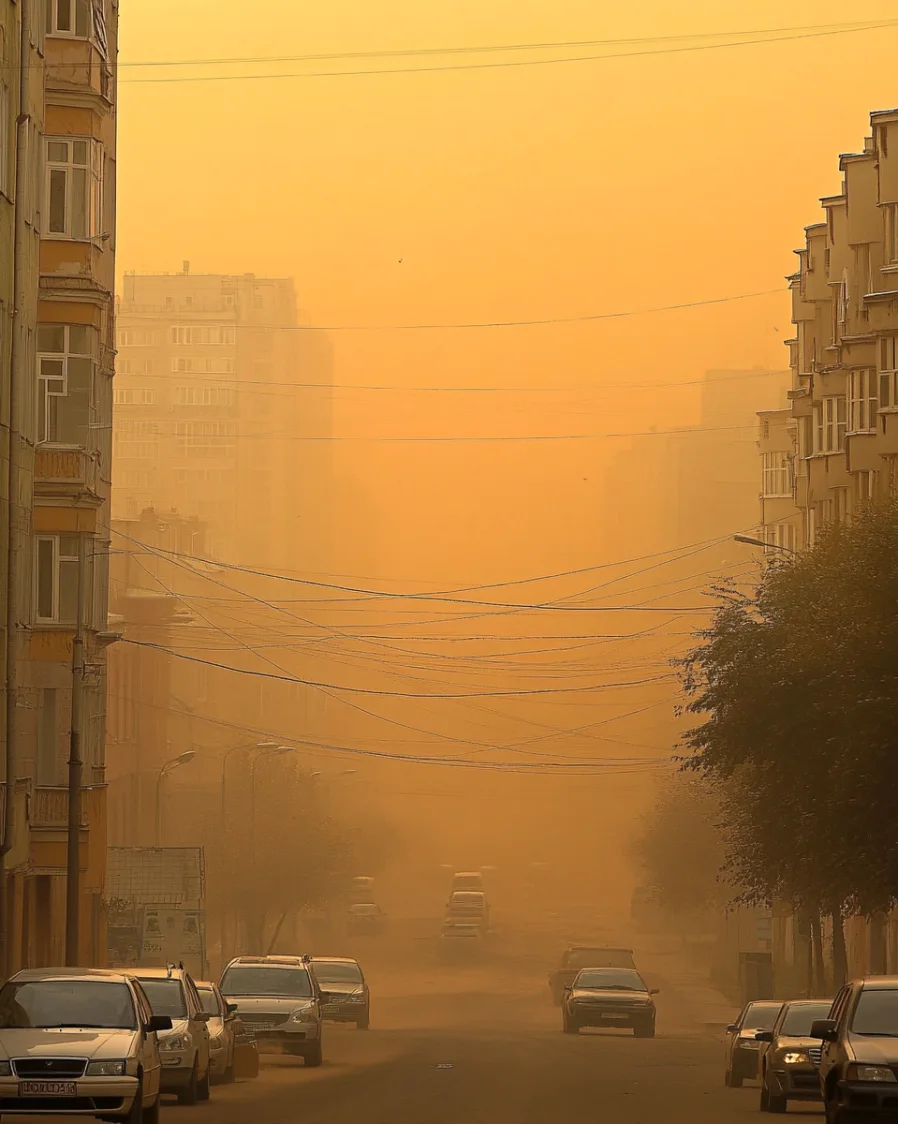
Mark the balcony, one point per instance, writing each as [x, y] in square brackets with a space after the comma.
[40, 826]
[77, 66]
[66, 471]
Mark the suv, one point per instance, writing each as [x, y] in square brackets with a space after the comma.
[859, 1062]
[78, 1042]
[185, 1050]
[279, 1000]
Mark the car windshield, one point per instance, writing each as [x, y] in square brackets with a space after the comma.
[610, 979]
[287, 982]
[166, 996]
[591, 957]
[337, 971]
[210, 1002]
[876, 1014]
[798, 1018]
[761, 1016]
[67, 1003]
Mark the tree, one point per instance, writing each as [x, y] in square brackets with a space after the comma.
[797, 687]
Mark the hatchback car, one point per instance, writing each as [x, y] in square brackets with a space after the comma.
[365, 917]
[185, 1049]
[609, 997]
[789, 1055]
[79, 1042]
[222, 1030]
[742, 1048]
[345, 994]
[279, 1000]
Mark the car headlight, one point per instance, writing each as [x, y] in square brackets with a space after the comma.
[175, 1042]
[870, 1073]
[795, 1057]
[304, 1015]
[106, 1069]
[5, 1069]
[353, 999]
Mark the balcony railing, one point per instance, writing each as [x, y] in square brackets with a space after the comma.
[65, 469]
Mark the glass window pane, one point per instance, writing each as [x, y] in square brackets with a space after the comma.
[63, 14]
[52, 368]
[68, 590]
[81, 18]
[73, 417]
[51, 337]
[58, 152]
[79, 339]
[57, 219]
[68, 546]
[79, 203]
[45, 578]
[79, 152]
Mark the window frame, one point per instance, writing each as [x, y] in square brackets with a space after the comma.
[887, 370]
[53, 30]
[93, 188]
[776, 474]
[830, 430]
[43, 392]
[57, 560]
[863, 400]
[890, 232]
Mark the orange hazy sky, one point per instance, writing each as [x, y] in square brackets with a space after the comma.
[495, 194]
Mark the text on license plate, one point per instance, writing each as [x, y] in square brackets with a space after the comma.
[46, 1088]
[330, 1008]
[614, 1016]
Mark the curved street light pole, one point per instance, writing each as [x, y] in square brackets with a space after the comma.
[271, 751]
[167, 769]
[750, 541]
[224, 765]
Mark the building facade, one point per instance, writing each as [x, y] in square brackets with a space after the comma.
[223, 412]
[57, 347]
[840, 432]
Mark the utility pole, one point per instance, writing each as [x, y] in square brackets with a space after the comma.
[73, 879]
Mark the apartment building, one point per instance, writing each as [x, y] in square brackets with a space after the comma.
[842, 423]
[223, 412]
[57, 268]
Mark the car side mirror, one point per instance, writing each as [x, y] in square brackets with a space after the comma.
[825, 1029]
[158, 1023]
[655, 991]
[764, 1036]
[732, 1028]
[231, 1009]
[203, 1016]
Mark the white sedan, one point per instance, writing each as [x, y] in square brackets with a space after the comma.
[79, 1042]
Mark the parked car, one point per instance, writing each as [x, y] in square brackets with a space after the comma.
[607, 997]
[222, 1030]
[279, 1000]
[467, 880]
[859, 1057]
[185, 1048]
[365, 917]
[742, 1048]
[74, 1037]
[580, 956]
[789, 1056]
[343, 990]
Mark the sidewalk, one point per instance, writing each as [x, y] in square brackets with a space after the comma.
[687, 994]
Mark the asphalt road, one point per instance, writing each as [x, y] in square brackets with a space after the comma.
[483, 1045]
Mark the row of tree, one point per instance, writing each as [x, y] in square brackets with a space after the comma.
[794, 689]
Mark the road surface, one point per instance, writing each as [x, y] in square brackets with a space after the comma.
[483, 1045]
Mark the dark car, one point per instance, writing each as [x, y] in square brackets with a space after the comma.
[460, 939]
[365, 917]
[859, 1058]
[580, 956]
[609, 997]
[742, 1048]
[345, 994]
[789, 1056]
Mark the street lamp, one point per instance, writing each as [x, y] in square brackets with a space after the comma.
[167, 769]
[224, 764]
[749, 541]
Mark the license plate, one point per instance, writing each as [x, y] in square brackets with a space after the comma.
[330, 1008]
[614, 1016]
[47, 1088]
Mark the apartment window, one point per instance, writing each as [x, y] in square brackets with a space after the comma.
[130, 428]
[839, 505]
[864, 487]
[203, 335]
[843, 301]
[135, 450]
[890, 222]
[134, 478]
[810, 526]
[56, 578]
[69, 18]
[888, 372]
[192, 365]
[230, 300]
[131, 337]
[863, 401]
[64, 377]
[205, 396]
[777, 474]
[780, 535]
[135, 396]
[74, 187]
[830, 424]
[205, 438]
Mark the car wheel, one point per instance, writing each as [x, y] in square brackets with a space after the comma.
[202, 1087]
[644, 1030]
[314, 1056]
[228, 1076]
[151, 1115]
[777, 1103]
[568, 1025]
[363, 1024]
[733, 1080]
[136, 1112]
[190, 1093]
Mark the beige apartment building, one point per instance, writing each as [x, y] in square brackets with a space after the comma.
[842, 422]
[223, 404]
[57, 269]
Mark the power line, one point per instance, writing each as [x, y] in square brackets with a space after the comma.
[516, 63]
[126, 317]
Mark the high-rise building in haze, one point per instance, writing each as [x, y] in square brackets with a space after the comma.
[223, 412]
